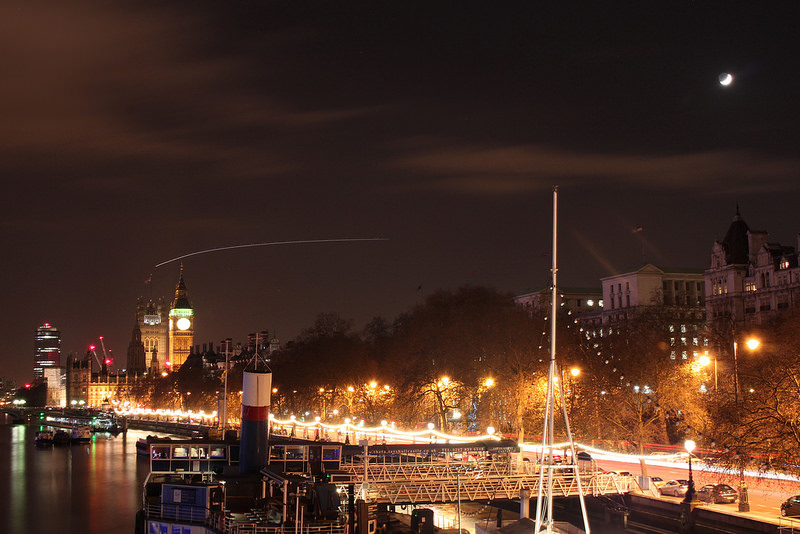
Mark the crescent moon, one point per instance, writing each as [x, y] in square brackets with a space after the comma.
[726, 79]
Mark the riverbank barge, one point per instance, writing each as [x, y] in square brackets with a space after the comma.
[194, 487]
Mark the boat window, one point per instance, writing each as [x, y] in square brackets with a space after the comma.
[160, 452]
[331, 453]
[180, 452]
[277, 452]
[295, 453]
[218, 452]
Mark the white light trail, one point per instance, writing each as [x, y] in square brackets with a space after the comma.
[387, 430]
[273, 243]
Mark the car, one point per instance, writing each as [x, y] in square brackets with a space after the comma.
[791, 506]
[717, 493]
[657, 482]
[675, 488]
[620, 473]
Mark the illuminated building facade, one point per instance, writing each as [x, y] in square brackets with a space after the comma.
[181, 326]
[153, 319]
[750, 280]
[677, 293]
[56, 378]
[78, 377]
[625, 293]
[47, 349]
[94, 390]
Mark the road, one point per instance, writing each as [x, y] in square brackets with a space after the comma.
[765, 494]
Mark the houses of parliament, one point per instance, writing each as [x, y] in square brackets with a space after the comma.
[161, 342]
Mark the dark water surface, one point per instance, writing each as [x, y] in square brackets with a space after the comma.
[90, 488]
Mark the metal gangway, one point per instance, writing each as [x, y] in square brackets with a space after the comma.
[450, 481]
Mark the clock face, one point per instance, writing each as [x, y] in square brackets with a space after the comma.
[183, 323]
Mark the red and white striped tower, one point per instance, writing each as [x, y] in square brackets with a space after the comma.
[256, 393]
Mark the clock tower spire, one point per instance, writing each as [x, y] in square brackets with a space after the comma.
[181, 325]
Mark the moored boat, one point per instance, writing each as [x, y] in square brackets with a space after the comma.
[81, 434]
[105, 424]
[61, 437]
[197, 484]
[43, 437]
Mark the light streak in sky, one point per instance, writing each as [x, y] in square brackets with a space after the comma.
[250, 245]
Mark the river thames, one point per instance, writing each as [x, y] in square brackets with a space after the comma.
[90, 488]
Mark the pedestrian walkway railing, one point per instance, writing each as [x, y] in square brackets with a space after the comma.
[441, 481]
[789, 525]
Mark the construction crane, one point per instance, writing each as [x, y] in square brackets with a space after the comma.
[106, 361]
[94, 353]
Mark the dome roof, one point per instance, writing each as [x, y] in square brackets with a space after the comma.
[736, 242]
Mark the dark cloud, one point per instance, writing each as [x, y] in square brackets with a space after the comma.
[134, 132]
[523, 169]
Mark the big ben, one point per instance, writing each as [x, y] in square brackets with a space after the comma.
[181, 326]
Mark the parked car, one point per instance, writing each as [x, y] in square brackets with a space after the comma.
[717, 493]
[791, 506]
[657, 482]
[676, 488]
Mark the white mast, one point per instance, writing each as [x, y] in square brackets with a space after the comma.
[544, 501]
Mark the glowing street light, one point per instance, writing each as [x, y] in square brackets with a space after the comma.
[689, 445]
[751, 344]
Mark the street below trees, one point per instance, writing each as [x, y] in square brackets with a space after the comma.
[765, 494]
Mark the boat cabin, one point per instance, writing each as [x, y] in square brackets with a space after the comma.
[314, 458]
[192, 456]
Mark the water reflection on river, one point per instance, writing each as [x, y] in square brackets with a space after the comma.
[88, 488]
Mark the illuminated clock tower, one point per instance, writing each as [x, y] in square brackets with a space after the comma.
[181, 326]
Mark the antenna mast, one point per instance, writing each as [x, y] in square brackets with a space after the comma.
[544, 502]
[256, 358]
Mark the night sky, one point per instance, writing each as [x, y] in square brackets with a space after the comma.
[135, 132]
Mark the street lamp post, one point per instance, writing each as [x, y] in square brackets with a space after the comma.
[744, 501]
[689, 498]
[752, 344]
[735, 372]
